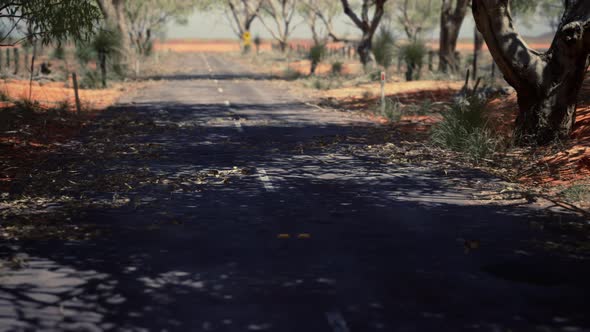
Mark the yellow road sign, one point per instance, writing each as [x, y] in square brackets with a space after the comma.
[247, 38]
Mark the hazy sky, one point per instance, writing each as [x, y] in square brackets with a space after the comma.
[215, 26]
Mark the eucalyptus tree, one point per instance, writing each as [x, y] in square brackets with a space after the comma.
[415, 17]
[282, 14]
[451, 19]
[367, 23]
[147, 17]
[241, 14]
[47, 21]
[547, 83]
[319, 16]
[113, 12]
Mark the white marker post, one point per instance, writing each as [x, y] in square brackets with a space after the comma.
[382, 92]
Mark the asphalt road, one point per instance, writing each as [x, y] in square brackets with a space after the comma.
[294, 238]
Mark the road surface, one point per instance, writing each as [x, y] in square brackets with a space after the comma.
[248, 217]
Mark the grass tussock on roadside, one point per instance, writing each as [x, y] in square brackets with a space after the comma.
[464, 128]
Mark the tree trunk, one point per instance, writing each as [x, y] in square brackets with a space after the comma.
[313, 68]
[366, 25]
[283, 46]
[16, 61]
[114, 14]
[450, 26]
[477, 47]
[548, 83]
[102, 57]
[364, 49]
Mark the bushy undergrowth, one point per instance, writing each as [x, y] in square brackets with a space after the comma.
[316, 55]
[90, 80]
[465, 129]
[4, 96]
[384, 47]
[413, 54]
[392, 110]
[337, 68]
[577, 193]
[290, 74]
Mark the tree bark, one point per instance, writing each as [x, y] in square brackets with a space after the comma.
[367, 25]
[102, 58]
[548, 83]
[450, 25]
[114, 14]
[364, 49]
[477, 47]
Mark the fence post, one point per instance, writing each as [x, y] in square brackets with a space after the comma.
[76, 94]
[7, 59]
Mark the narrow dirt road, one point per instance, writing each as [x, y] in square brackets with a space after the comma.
[226, 204]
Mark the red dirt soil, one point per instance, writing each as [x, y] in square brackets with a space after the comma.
[34, 136]
[556, 166]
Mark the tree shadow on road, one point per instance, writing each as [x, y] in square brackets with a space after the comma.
[389, 247]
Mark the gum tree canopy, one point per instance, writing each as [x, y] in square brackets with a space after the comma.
[547, 83]
[46, 20]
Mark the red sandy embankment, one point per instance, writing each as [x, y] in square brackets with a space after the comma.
[53, 93]
[554, 165]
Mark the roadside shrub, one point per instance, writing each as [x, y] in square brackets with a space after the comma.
[59, 53]
[375, 76]
[392, 110]
[316, 55]
[576, 193]
[108, 42]
[63, 106]
[290, 74]
[27, 107]
[85, 53]
[424, 108]
[337, 68]
[4, 96]
[384, 47]
[413, 54]
[367, 94]
[90, 80]
[464, 129]
[257, 42]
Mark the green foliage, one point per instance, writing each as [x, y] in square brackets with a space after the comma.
[90, 80]
[63, 107]
[290, 74]
[257, 42]
[4, 96]
[392, 110]
[27, 107]
[59, 53]
[421, 109]
[464, 129]
[413, 54]
[337, 68]
[384, 47]
[50, 21]
[147, 18]
[85, 53]
[108, 41]
[415, 17]
[577, 193]
[317, 53]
